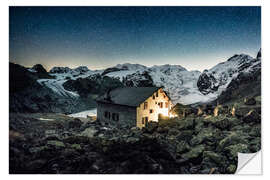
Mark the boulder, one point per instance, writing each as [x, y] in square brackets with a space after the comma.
[53, 137]
[132, 140]
[57, 144]
[231, 169]
[232, 139]
[223, 123]
[71, 153]
[185, 135]
[250, 101]
[255, 131]
[37, 149]
[135, 129]
[255, 145]
[173, 132]
[35, 165]
[163, 129]
[217, 158]
[239, 111]
[76, 146]
[50, 132]
[252, 116]
[195, 152]
[182, 146]
[186, 124]
[77, 140]
[151, 127]
[199, 125]
[89, 132]
[206, 134]
[237, 148]
[75, 123]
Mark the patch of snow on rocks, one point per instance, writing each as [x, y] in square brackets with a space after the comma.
[84, 114]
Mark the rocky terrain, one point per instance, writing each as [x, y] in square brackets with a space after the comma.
[203, 140]
[218, 113]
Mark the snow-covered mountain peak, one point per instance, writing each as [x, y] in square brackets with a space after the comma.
[131, 67]
[240, 57]
[81, 69]
[60, 70]
[216, 79]
[168, 68]
[183, 86]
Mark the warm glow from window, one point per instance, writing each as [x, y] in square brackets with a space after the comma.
[172, 115]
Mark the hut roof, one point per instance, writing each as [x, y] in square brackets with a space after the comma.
[129, 96]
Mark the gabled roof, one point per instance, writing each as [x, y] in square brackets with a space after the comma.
[128, 96]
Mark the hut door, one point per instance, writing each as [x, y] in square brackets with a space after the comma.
[146, 121]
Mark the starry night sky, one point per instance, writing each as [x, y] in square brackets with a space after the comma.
[100, 37]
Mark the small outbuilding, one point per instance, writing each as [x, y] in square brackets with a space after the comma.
[133, 106]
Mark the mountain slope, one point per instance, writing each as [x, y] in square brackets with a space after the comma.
[246, 84]
[180, 84]
[66, 88]
[27, 95]
[183, 86]
[230, 75]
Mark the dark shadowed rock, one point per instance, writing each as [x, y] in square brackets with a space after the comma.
[234, 149]
[250, 101]
[223, 123]
[231, 169]
[206, 83]
[252, 116]
[150, 127]
[39, 68]
[232, 139]
[75, 123]
[194, 153]
[185, 135]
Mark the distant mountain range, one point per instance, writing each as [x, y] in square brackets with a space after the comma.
[183, 86]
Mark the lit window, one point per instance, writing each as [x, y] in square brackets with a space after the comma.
[160, 104]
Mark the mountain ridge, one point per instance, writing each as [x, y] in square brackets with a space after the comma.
[183, 86]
